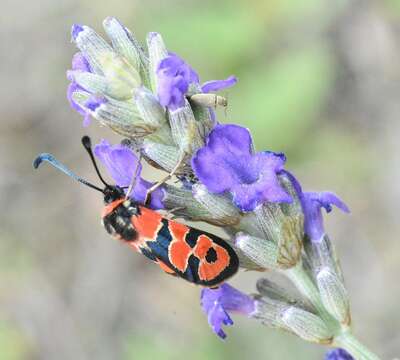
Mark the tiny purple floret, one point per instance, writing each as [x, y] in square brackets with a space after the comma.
[227, 164]
[173, 79]
[338, 354]
[122, 165]
[312, 204]
[217, 303]
[76, 29]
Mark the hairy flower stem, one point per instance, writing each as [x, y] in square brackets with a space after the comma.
[307, 288]
[347, 341]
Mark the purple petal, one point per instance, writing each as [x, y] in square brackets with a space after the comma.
[120, 162]
[226, 163]
[326, 199]
[140, 191]
[122, 165]
[76, 29]
[312, 204]
[86, 120]
[295, 183]
[209, 162]
[216, 304]
[80, 63]
[95, 102]
[225, 142]
[338, 354]
[92, 104]
[267, 187]
[217, 85]
[217, 317]
[173, 79]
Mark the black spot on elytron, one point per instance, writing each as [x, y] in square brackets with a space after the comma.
[191, 238]
[211, 255]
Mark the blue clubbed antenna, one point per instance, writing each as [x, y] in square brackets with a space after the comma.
[58, 165]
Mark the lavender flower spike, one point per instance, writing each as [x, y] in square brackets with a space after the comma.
[227, 164]
[216, 303]
[122, 163]
[338, 354]
[312, 204]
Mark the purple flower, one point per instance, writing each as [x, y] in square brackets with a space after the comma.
[173, 79]
[312, 204]
[216, 303]
[122, 164]
[79, 63]
[76, 29]
[338, 354]
[174, 76]
[227, 164]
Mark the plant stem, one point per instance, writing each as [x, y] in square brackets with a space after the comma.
[347, 341]
[344, 338]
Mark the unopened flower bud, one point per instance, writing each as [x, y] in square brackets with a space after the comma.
[280, 223]
[263, 252]
[185, 129]
[124, 43]
[334, 295]
[284, 231]
[322, 255]
[157, 52]
[183, 199]
[206, 117]
[92, 46]
[149, 108]
[165, 156]
[93, 83]
[307, 325]
[269, 312]
[120, 116]
[271, 290]
[122, 76]
[220, 206]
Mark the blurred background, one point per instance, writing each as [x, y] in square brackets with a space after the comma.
[318, 79]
